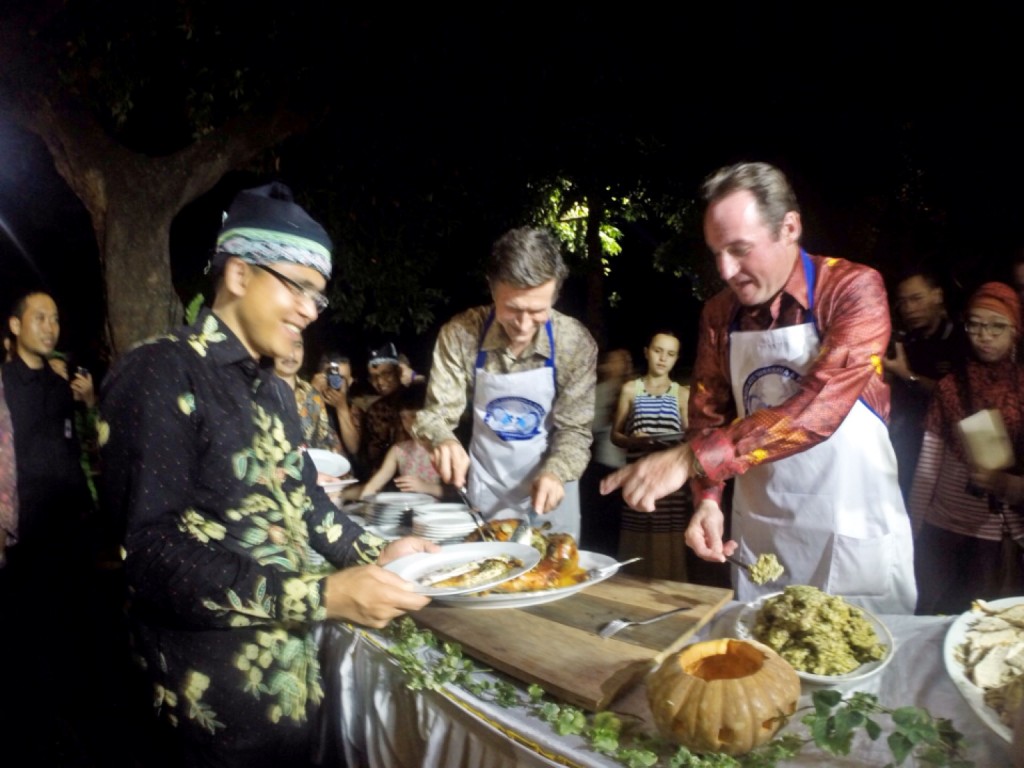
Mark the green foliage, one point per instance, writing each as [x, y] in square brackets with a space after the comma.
[565, 208]
[683, 253]
[192, 310]
[832, 722]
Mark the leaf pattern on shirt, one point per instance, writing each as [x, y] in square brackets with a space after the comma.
[210, 334]
[275, 532]
[201, 528]
[195, 686]
[187, 403]
[280, 665]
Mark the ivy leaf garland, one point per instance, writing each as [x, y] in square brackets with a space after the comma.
[832, 721]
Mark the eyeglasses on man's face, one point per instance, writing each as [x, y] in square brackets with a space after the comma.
[298, 289]
[995, 330]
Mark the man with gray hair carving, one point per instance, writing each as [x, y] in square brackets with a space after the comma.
[529, 372]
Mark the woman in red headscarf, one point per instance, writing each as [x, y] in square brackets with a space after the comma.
[970, 523]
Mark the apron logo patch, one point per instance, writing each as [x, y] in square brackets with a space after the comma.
[769, 386]
[514, 418]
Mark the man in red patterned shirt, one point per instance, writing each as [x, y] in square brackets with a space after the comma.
[789, 399]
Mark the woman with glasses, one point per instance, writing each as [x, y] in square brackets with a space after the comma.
[969, 523]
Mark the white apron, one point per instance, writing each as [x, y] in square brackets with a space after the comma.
[833, 513]
[511, 422]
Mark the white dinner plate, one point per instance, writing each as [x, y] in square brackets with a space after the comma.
[337, 485]
[747, 619]
[955, 636]
[442, 510]
[414, 567]
[399, 500]
[328, 462]
[588, 560]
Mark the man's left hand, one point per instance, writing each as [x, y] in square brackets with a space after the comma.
[83, 389]
[547, 492]
[651, 478]
[1002, 485]
[407, 545]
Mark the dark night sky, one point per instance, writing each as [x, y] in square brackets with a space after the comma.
[850, 104]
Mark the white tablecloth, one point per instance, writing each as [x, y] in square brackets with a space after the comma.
[380, 723]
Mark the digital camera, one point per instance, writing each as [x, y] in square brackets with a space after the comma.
[334, 379]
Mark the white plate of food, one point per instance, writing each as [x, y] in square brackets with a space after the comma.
[462, 568]
[328, 462]
[956, 653]
[746, 623]
[491, 599]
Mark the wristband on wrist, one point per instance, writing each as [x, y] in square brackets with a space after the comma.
[696, 470]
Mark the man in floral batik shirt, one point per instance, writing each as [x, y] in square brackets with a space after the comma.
[203, 461]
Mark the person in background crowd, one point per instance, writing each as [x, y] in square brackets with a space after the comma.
[531, 373]
[408, 375]
[54, 500]
[8, 481]
[205, 464]
[381, 426]
[407, 461]
[86, 416]
[789, 399]
[1017, 280]
[316, 425]
[932, 346]
[600, 527]
[337, 386]
[971, 529]
[651, 414]
[49, 583]
[1017, 276]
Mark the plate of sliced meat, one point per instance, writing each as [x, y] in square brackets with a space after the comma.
[984, 656]
[464, 568]
[538, 586]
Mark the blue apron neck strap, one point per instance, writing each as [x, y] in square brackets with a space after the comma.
[810, 274]
[481, 354]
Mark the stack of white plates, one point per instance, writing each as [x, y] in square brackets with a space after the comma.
[442, 522]
[392, 509]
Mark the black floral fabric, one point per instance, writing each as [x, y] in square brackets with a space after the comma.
[204, 463]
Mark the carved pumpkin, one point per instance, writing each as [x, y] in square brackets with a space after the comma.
[724, 695]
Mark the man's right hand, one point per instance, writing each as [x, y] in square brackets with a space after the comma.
[452, 462]
[369, 595]
[336, 398]
[319, 382]
[704, 533]
[651, 478]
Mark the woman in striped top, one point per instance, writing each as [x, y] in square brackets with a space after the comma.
[652, 414]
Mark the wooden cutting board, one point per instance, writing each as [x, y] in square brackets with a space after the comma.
[556, 644]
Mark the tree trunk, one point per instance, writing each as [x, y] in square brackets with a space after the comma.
[135, 256]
